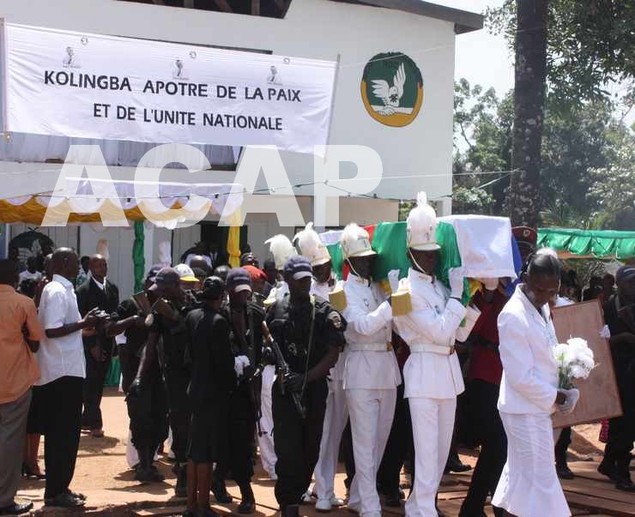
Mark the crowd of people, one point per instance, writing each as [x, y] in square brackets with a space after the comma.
[307, 368]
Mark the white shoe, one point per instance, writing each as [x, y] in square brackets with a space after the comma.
[337, 502]
[306, 497]
[323, 505]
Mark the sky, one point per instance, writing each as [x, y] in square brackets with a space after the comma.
[481, 57]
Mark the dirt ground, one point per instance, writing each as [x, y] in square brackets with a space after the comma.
[103, 475]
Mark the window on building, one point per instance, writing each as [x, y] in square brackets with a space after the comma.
[268, 8]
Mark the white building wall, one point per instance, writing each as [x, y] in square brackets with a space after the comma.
[419, 154]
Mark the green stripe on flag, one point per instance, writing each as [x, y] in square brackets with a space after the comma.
[389, 241]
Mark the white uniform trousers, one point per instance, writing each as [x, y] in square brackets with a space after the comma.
[371, 412]
[265, 440]
[529, 485]
[335, 419]
[432, 427]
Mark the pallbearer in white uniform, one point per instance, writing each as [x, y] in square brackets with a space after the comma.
[432, 374]
[281, 249]
[371, 373]
[309, 244]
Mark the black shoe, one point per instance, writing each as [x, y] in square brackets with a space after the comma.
[65, 501]
[76, 495]
[392, 500]
[220, 492]
[564, 472]
[607, 471]
[455, 465]
[17, 508]
[149, 475]
[626, 485]
[293, 510]
[29, 473]
[246, 506]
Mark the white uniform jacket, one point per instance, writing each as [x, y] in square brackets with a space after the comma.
[322, 290]
[368, 324]
[435, 319]
[530, 371]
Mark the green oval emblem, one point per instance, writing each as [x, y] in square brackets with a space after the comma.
[392, 89]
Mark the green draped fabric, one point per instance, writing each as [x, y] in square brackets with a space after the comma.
[596, 243]
[138, 256]
[389, 241]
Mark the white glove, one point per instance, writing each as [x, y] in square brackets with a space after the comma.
[573, 395]
[456, 283]
[393, 280]
[605, 332]
[240, 363]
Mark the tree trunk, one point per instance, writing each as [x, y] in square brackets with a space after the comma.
[523, 203]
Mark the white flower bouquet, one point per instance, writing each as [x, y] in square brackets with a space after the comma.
[575, 361]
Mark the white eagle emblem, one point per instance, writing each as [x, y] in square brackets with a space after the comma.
[390, 95]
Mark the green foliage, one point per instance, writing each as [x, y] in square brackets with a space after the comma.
[613, 188]
[588, 155]
[591, 44]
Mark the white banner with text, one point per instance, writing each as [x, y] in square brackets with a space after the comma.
[94, 86]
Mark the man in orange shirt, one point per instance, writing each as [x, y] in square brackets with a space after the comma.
[20, 332]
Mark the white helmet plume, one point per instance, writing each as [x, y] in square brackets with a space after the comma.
[281, 248]
[309, 244]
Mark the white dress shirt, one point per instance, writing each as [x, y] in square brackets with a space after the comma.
[62, 356]
[368, 322]
[530, 371]
[435, 319]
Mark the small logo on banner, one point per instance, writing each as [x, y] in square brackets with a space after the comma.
[274, 76]
[178, 70]
[70, 59]
[392, 89]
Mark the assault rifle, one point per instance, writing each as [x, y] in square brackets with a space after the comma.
[283, 370]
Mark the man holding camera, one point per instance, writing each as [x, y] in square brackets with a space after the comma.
[63, 369]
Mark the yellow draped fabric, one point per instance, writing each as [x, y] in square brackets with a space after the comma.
[33, 212]
[233, 240]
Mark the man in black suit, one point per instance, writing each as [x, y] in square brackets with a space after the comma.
[96, 292]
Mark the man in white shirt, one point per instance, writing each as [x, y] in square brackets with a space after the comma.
[432, 374]
[63, 369]
[371, 373]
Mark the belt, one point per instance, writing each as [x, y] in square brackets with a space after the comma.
[432, 349]
[370, 347]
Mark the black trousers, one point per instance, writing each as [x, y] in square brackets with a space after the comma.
[93, 390]
[148, 413]
[622, 429]
[560, 449]
[61, 412]
[397, 448]
[176, 383]
[129, 361]
[238, 426]
[297, 441]
[481, 399]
